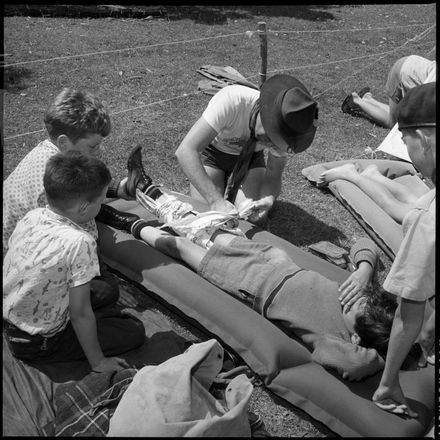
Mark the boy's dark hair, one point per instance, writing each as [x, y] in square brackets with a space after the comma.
[72, 176]
[373, 326]
[76, 114]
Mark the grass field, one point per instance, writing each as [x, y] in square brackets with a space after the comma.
[144, 69]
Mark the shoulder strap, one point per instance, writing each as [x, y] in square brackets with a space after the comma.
[242, 165]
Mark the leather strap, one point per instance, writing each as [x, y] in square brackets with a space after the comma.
[241, 168]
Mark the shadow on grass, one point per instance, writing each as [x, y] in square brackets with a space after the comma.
[200, 14]
[298, 227]
[16, 79]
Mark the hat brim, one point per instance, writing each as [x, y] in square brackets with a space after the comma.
[270, 117]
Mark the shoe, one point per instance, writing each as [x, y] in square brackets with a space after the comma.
[166, 207]
[348, 106]
[137, 178]
[116, 219]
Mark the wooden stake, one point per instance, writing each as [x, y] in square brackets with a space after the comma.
[263, 50]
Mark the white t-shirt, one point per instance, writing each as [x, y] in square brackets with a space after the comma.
[48, 255]
[228, 113]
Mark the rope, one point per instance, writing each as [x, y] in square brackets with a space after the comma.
[185, 95]
[347, 30]
[119, 50]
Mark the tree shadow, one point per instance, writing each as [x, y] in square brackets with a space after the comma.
[16, 79]
[221, 14]
[298, 227]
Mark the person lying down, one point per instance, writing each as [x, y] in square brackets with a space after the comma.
[347, 327]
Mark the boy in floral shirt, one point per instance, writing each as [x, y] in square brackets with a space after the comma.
[48, 309]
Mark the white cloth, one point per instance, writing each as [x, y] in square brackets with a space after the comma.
[48, 255]
[172, 399]
[228, 113]
[23, 189]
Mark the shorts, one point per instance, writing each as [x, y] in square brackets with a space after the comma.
[248, 270]
[211, 157]
[407, 73]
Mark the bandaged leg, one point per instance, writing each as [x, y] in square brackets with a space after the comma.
[180, 216]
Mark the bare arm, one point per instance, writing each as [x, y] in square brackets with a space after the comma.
[188, 154]
[84, 323]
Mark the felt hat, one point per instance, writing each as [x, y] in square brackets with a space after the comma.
[417, 108]
[288, 113]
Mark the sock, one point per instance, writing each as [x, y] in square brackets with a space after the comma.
[154, 192]
[136, 228]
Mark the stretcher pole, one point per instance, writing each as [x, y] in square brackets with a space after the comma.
[262, 33]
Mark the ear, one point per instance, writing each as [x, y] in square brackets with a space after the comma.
[355, 339]
[63, 143]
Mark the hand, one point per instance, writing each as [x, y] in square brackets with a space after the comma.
[110, 364]
[353, 287]
[391, 399]
[260, 210]
[426, 341]
[223, 205]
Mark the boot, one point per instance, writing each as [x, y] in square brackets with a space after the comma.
[116, 219]
[137, 177]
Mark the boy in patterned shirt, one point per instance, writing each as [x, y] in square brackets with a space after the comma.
[49, 312]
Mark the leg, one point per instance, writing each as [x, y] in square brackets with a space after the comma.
[380, 194]
[177, 247]
[401, 192]
[251, 186]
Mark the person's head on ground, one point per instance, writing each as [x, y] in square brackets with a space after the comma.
[77, 120]
[288, 114]
[372, 321]
[416, 118]
[76, 185]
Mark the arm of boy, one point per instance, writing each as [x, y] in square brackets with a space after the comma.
[354, 286]
[84, 323]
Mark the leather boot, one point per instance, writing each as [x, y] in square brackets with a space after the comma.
[116, 219]
[137, 177]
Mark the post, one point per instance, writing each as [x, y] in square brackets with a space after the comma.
[263, 50]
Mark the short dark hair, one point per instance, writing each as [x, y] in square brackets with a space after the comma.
[76, 114]
[72, 176]
[373, 326]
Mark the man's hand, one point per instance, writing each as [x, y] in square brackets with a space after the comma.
[353, 287]
[110, 364]
[223, 205]
[391, 399]
[260, 210]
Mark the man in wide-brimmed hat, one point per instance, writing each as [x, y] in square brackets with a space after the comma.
[223, 153]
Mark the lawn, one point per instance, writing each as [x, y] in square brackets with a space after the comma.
[144, 69]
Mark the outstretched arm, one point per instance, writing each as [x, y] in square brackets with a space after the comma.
[188, 154]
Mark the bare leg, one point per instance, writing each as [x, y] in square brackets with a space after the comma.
[401, 192]
[378, 111]
[380, 194]
[177, 247]
[251, 186]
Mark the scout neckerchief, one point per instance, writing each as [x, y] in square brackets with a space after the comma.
[241, 168]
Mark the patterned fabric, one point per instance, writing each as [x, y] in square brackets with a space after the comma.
[48, 255]
[84, 408]
[23, 189]
[412, 275]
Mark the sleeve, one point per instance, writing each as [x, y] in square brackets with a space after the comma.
[82, 261]
[220, 112]
[412, 274]
[364, 250]
[351, 361]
